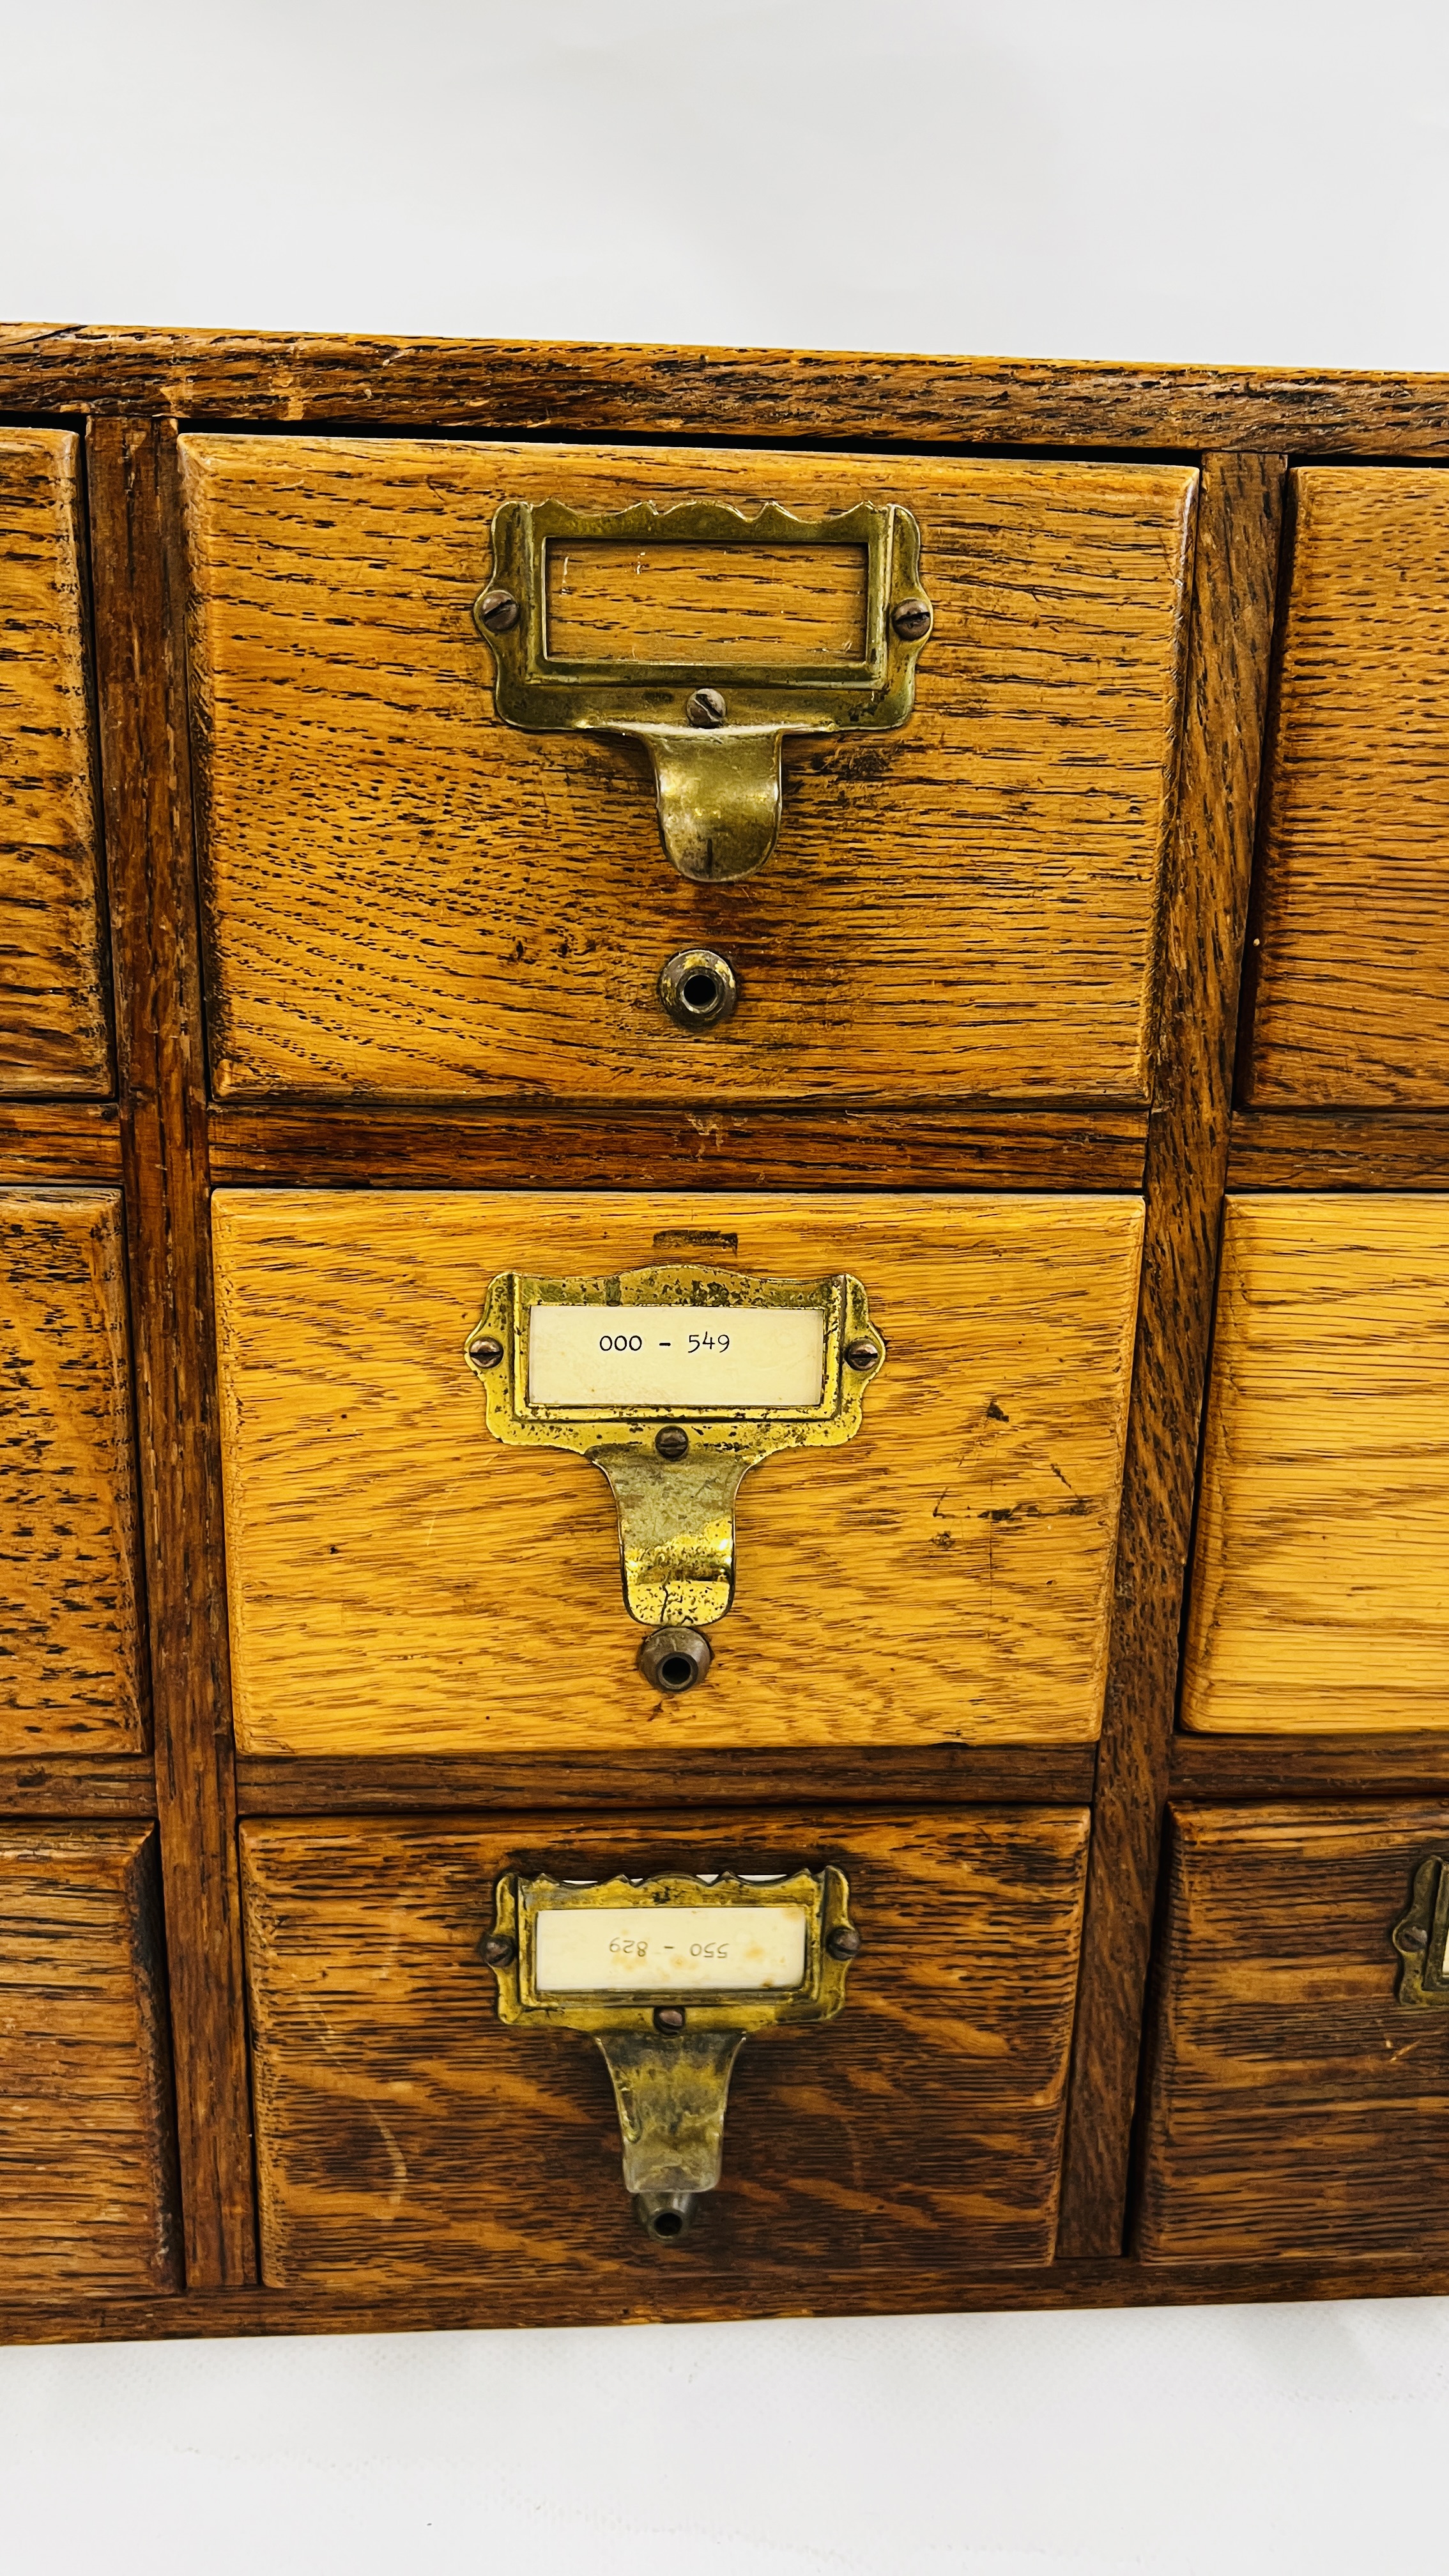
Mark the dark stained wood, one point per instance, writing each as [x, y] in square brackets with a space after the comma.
[71, 1676]
[1312, 1149]
[593, 389]
[159, 1047]
[404, 2133]
[82, 1784]
[1310, 1766]
[701, 1148]
[1294, 2110]
[87, 2181]
[1227, 682]
[937, 1775]
[41, 1142]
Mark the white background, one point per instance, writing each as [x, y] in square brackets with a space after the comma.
[1232, 180]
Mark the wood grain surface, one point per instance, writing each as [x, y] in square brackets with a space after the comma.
[1319, 1598]
[593, 389]
[42, 1140]
[1351, 937]
[152, 885]
[1323, 1149]
[925, 1775]
[400, 1582]
[71, 1665]
[53, 1030]
[1294, 2110]
[405, 898]
[1227, 683]
[87, 2188]
[405, 2134]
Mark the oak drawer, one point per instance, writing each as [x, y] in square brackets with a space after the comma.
[405, 2134]
[87, 2193]
[402, 1582]
[54, 1034]
[1319, 1598]
[406, 898]
[72, 1676]
[1352, 949]
[1295, 2108]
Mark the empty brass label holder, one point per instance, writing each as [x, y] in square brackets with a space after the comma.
[674, 1461]
[1422, 1936]
[712, 730]
[663, 2011]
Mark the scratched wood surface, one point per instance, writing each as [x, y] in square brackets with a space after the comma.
[87, 2189]
[70, 1644]
[405, 898]
[53, 1032]
[1294, 2109]
[1352, 960]
[401, 1582]
[1319, 1598]
[405, 2134]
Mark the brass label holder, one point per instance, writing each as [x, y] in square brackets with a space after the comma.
[1422, 1937]
[713, 731]
[717, 1370]
[670, 1975]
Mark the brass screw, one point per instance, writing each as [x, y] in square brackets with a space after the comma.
[669, 2017]
[912, 620]
[1413, 1939]
[498, 1951]
[706, 707]
[671, 1442]
[498, 610]
[843, 1942]
[862, 1355]
[485, 1352]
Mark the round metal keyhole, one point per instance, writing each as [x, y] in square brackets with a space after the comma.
[675, 1659]
[698, 989]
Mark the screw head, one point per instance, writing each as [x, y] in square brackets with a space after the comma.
[862, 1355]
[707, 708]
[485, 1352]
[912, 620]
[672, 1442]
[498, 611]
[843, 1942]
[669, 2017]
[498, 1950]
[1414, 1938]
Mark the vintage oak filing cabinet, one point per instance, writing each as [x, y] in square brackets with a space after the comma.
[724, 1367]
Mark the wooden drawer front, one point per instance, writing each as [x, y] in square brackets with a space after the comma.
[401, 1582]
[53, 1031]
[405, 897]
[87, 2196]
[405, 2134]
[70, 1649]
[1295, 2108]
[1353, 966]
[1319, 1597]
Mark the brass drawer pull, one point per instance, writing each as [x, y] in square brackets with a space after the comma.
[1421, 1937]
[712, 727]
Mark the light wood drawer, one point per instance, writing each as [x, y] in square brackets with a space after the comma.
[1295, 2107]
[405, 897]
[87, 2196]
[71, 1667]
[402, 1582]
[1319, 1594]
[53, 1027]
[1352, 951]
[405, 2134]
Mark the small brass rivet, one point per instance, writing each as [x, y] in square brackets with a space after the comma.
[498, 611]
[485, 1352]
[862, 1355]
[843, 1942]
[706, 707]
[498, 1951]
[674, 1659]
[671, 1442]
[669, 2017]
[912, 620]
[698, 989]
